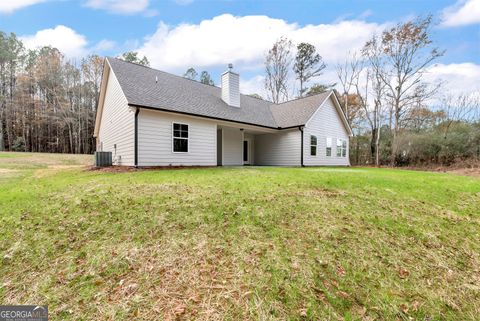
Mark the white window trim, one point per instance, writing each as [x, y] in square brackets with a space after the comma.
[341, 140]
[173, 138]
[327, 145]
[316, 145]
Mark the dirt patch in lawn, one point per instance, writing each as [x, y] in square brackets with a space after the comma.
[475, 172]
[53, 169]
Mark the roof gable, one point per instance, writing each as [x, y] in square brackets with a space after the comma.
[297, 112]
[331, 95]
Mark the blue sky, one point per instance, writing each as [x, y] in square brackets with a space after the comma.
[207, 34]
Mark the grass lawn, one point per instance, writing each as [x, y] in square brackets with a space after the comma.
[238, 243]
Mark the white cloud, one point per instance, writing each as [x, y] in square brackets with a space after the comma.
[253, 85]
[245, 40]
[457, 77]
[464, 12]
[68, 41]
[120, 6]
[9, 6]
[104, 45]
[365, 14]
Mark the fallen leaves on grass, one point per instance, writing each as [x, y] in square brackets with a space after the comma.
[404, 308]
[343, 294]
[403, 273]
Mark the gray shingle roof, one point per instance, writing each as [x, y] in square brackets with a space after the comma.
[178, 94]
[297, 112]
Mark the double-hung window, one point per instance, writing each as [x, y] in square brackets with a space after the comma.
[313, 145]
[341, 148]
[328, 150]
[180, 138]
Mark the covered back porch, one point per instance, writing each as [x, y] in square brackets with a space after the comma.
[236, 145]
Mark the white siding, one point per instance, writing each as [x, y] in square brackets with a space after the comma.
[326, 122]
[155, 140]
[231, 88]
[232, 146]
[282, 149]
[117, 124]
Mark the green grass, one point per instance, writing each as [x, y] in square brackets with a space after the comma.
[238, 243]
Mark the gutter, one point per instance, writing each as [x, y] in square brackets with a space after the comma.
[208, 117]
[301, 146]
[137, 111]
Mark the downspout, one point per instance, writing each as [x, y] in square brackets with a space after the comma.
[136, 137]
[301, 146]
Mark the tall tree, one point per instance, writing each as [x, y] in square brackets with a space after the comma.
[348, 73]
[366, 100]
[308, 65]
[404, 52]
[206, 79]
[319, 88]
[11, 50]
[132, 56]
[191, 73]
[92, 68]
[277, 66]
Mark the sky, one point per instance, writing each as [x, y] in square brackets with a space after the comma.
[209, 34]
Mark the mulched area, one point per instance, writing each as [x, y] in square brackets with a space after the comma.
[128, 169]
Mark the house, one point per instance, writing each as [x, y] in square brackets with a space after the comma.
[147, 117]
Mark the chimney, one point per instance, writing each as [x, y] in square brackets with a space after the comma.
[231, 87]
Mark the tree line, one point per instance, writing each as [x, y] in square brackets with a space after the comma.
[397, 116]
[47, 102]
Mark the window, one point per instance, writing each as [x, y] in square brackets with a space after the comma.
[180, 138]
[341, 148]
[313, 145]
[329, 146]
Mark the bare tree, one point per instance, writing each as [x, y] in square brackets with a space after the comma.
[456, 108]
[404, 52]
[348, 73]
[376, 116]
[277, 67]
[369, 92]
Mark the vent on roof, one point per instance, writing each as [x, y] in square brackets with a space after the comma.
[231, 87]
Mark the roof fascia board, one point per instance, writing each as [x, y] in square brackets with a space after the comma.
[101, 98]
[342, 114]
